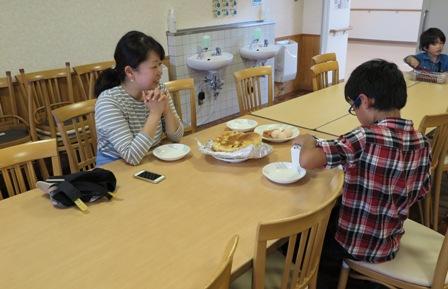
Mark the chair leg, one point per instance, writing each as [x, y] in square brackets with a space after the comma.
[437, 187]
[343, 277]
[313, 282]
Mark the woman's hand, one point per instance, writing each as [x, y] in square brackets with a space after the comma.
[155, 101]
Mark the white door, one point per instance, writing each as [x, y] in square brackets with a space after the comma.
[334, 31]
[434, 15]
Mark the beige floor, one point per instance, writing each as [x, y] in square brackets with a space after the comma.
[360, 51]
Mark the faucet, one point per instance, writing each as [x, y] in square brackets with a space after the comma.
[266, 43]
[254, 42]
[218, 51]
[201, 51]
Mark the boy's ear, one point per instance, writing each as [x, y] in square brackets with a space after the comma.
[366, 101]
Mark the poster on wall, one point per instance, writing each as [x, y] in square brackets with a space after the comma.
[223, 8]
[256, 2]
[341, 4]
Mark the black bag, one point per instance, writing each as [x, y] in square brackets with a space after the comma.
[77, 188]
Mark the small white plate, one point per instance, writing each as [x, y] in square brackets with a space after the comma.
[260, 129]
[241, 124]
[171, 152]
[283, 172]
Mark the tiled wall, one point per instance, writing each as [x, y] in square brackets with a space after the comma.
[229, 39]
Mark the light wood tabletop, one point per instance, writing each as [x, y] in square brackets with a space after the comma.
[423, 99]
[314, 109]
[166, 235]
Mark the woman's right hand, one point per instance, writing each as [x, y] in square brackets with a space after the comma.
[155, 101]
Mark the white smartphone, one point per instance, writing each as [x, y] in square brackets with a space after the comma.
[149, 176]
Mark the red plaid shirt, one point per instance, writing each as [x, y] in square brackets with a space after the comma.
[387, 169]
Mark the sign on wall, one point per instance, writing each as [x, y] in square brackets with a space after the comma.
[223, 8]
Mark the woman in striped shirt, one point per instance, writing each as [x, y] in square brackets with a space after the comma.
[133, 109]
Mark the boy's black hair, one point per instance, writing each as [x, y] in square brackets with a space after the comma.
[431, 36]
[380, 80]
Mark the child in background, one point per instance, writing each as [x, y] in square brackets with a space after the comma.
[386, 164]
[431, 59]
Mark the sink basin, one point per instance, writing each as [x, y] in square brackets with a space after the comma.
[209, 62]
[259, 52]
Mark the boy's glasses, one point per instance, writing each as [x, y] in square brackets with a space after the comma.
[351, 109]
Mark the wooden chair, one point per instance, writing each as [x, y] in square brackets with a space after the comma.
[16, 164]
[421, 262]
[320, 74]
[176, 87]
[221, 279]
[13, 128]
[321, 58]
[439, 149]
[45, 91]
[86, 75]
[300, 267]
[248, 87]
[76, 125]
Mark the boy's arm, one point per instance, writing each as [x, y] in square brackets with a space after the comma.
[311, 157]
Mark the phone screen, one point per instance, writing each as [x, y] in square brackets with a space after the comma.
[149, 175]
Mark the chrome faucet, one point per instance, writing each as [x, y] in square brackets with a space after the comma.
[218, 51]
[254, 42]
[201, 51]
[266, 43]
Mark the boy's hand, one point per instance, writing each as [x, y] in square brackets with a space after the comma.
[305, 140]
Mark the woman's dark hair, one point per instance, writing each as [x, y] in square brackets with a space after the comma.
[132, 49]
[380, 80]
[431, 36]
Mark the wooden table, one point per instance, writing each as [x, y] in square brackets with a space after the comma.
[314, 109]
[423, 99]
[168, 235]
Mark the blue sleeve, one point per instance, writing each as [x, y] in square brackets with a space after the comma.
[444, 63]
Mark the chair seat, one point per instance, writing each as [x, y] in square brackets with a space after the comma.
[416, 259]
[13, 134]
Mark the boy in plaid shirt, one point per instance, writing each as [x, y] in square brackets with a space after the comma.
[386, 164]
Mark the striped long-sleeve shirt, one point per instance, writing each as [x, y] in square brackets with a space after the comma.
[119, 121]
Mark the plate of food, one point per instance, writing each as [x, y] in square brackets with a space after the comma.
[171, 152]
[234, 147]
[277, 132]
[283, 172]
[241, 124]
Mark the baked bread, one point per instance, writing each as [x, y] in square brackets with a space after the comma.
[233, 141]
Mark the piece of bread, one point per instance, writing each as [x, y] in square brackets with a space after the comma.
[233, 141]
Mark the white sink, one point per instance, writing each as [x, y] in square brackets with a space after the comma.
[209, 62]
[259, 52]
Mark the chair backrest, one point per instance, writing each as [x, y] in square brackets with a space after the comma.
[46, 90]
[9, 118]
[321, 58]
[16, 164]
[176, 88]
[76, 125]
[320, 74]
[300, 267]
[439, 149]
[439, 122]
[221, 280]
[248, 87]
[86, 76]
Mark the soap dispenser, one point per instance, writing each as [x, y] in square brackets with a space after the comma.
[171, 20]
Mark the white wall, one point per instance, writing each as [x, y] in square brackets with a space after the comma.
[385, 25]
[43, 34]
[312, 16]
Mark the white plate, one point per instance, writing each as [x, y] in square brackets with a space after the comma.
[230, 160]
[283, 172]
[241, 124]
[260, 129]
[171, 152]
